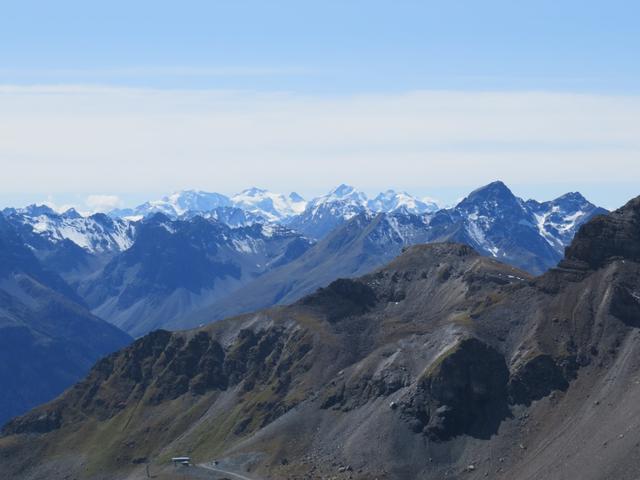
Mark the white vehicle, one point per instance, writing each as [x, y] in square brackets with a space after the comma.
[184, 461]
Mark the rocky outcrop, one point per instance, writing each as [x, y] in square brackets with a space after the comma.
[162, 366]
[342, 298]
[536, 379]
[463, 392]
[607, 238]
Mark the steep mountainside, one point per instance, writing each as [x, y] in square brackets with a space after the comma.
[361, 245]
[47, 341]
[443, 364]
[175, 266]
[497, 223]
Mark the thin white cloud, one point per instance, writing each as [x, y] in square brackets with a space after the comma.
[77, 138]
[102, 203]
[155, 71]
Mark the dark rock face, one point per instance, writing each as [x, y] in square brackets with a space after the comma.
[464, 393]
[536, 379]
[608, 237]
[342, 298]
[196, 367]
[347, 396]
[625, 303]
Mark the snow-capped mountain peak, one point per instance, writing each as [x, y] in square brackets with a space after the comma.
[324, 213]
[176, 205]
[343, 193]
[197, 200]
[35, 210]
[252, 192]
[270, 205]
[97, 233]
[392, 201]
[490, 202]
[495, 191]
[296, 198]
[558, 220]
[71, 213]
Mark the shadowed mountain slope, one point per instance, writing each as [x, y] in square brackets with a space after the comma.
[47, 340]
[176, 266]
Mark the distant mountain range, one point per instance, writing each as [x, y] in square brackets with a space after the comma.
[527, 234]
[263, 205]
[194, 257]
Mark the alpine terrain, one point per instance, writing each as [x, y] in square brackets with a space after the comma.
[442, 364]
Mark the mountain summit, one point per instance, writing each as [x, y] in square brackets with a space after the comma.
[392, 201]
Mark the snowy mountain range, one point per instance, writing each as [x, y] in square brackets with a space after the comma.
[527, 234]
[258, 248]
[273, 207]
[481, 215]
[491, 219]
[268, 206]
[97, 233]
[259, 203]
[392, 201]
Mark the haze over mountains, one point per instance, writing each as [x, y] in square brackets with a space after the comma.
[442, 364]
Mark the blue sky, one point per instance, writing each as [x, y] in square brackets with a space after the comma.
[325, 46]
[94, 67]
